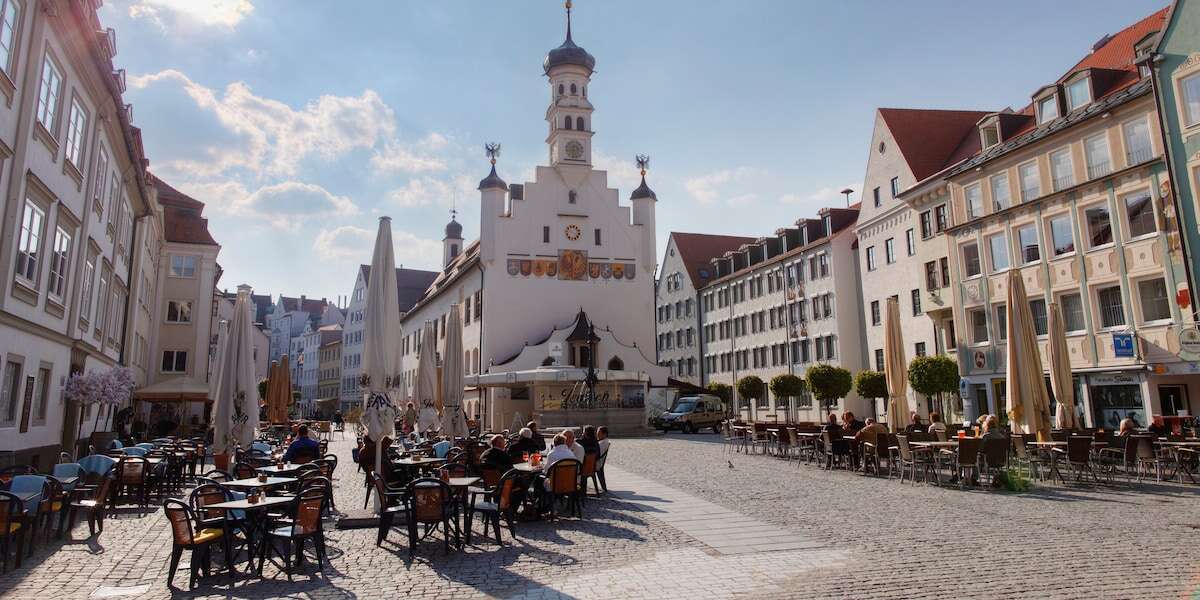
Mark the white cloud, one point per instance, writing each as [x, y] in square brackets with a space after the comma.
[707, 189]
[622, 174]
[426, 191]
[286, 205]
[821, 198]
[223, 13]
[396, 158]
[276, 138]
[741, 200]
[350, 242]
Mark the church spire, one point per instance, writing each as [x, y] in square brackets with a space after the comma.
[568, 20]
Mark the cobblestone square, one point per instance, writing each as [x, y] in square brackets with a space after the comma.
[680, 522]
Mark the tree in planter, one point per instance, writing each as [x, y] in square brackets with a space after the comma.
[828, 383]
[871, 384]
[786, 386]
[722, 391]
[933, 376]
[750, 388]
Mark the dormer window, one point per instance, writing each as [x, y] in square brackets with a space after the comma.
[1141, 54]
[990, 136]
[1047, 109]
[1079, 93]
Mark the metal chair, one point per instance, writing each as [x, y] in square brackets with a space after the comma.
[185, 535]
[306, 524]
[430, 503]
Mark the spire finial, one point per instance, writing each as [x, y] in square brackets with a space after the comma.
[493, 150]
[643, 163]
[568, 5]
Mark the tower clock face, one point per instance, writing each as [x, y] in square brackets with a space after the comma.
[574, 150]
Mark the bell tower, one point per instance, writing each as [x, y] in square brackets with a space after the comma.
[569, 116]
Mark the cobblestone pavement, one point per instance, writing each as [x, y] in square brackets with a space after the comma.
[856, 537]
[906, 541]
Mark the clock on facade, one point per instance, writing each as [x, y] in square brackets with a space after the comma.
[574, 150]
[572, 232]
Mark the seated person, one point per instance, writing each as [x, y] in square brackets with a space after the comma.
[303, 449]
[837, 437]
[1127, 427]
[1157, 427]
[523, 443]
[603, 443]
[936, 425]
[559, 451]
[537, 437]
[914, 423]
[590, 441]
[576, 449]
[850, 423]
[992, 430]
[496, 455]
[870, 431]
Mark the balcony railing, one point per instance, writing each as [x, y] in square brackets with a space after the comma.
[1028, 194]
[1064, 182]
[1138, 156]
[1099, 169]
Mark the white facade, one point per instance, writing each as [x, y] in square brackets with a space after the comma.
[677, 318]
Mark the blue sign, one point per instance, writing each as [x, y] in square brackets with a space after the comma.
[1123, 345]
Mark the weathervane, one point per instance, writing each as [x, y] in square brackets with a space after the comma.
[643, 163]
[493, 150]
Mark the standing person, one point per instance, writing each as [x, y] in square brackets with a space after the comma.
[603, 443]
[410, 417]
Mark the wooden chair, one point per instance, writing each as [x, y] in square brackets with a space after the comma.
[391, 503]
[133, 475]
[563, 478]
[430, 503]
[184, 536]
[502, 503]
[306, 524]
[588, 471]
[91, 502]
[12, 525]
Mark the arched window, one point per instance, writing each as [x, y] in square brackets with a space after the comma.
[572, 89]
[560, 89]
[567, 122]
[453, 250]
[579, 124]
[615, 364]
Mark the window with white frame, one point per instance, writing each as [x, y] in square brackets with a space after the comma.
[970, 256]
[1079, 93]
[1062, 239]
[48, 94]
[974, 199]
[1139, 211]
[1071, 306]
[1137, 141]
[179, 311]
[889, 250]
[1047, 109]
[1189, 88]
[183, 265]
[1037, 308]
[1062, 169]
[29, 242]
[1099, 226]
[101, 177]
[10, 19]
[1152, 296]
[876, 317]
[1027, 244]
[85, 298]
[9, 390]
[59, 261]
[823, 261]
[174, 361]
[1031, 181]
[998, 252]
[979, 330]
[1001, 311]
[1110, 306]
[871, 258]
[76, 132]
[910, 242]
[1095, 149]
[102, 301]
[1000, 195]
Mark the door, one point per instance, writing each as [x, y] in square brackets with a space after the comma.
[1172, 399]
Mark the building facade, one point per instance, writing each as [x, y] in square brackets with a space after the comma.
[74, 217]
[684, 270]
[1074, 192]
[330, 372]
[781, 305]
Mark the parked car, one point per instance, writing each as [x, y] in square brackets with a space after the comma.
[690, 414]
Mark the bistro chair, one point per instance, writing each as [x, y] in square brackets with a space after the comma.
[92, 503]
[430, 503]
[1031, 460]
[1121, 454]
[966, 464]
[186, 534]
[95, 467]
[454, 469]
[563, 483]
[588, 471]
[244, 470]
[836, 452]
[392, 502]
[52, 506]
[66, 470]
[306, 524]
[32, 509]
[502, 503]
[7, 473]
[134, 451]
[1079, 456]
[12, 525]
[911, 459]
[995, 458]
[1148, 459]
[133, 475]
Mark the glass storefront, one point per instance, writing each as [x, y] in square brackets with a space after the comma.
[1114, 398]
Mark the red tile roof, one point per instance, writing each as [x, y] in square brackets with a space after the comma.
[1118, 52]
[182, 215]
[696, 250]
[929, 138]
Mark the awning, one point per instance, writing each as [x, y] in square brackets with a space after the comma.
[552, 375]
[178, 389]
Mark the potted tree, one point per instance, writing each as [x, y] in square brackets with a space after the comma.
[934, 376]
[722, 391]
[828, 383]
[787, 386]
[750, 388]
[871, 384]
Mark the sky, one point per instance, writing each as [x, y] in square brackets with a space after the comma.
[300, 122]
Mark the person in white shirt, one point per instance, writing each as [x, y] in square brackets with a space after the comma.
[578, 450]
[559, 451]
[602, 436]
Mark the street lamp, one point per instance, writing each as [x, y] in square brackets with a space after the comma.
[847, 193]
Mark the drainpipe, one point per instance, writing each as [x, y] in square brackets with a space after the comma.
[479, 366]
[133, 228]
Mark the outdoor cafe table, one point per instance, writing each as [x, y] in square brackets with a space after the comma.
[525, 467]
[253, 483]
[279, 469]
[253, 525]
[1182, 467]
[939, 445]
